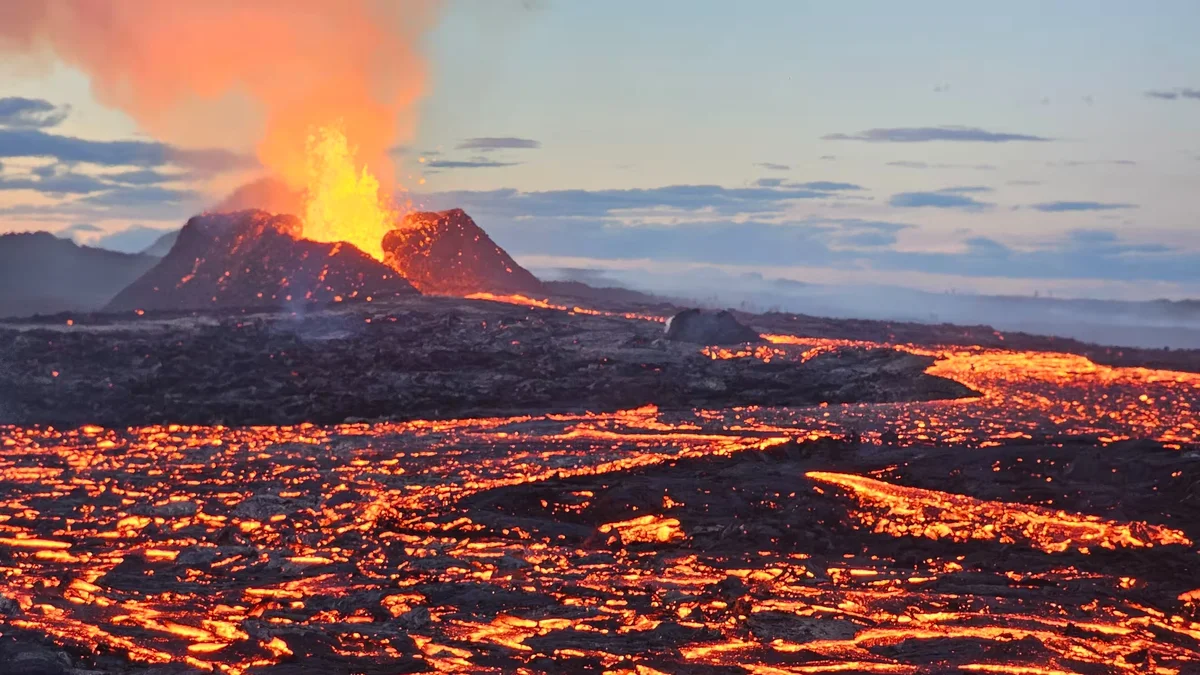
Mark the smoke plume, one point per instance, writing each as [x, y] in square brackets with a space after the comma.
[232, 71]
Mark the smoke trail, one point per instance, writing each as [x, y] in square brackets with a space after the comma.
[267, 70]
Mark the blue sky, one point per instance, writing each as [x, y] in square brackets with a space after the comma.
[1007, 148]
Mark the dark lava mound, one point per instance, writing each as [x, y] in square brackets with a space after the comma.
[253, 259]
[446, 252]
[709, 328]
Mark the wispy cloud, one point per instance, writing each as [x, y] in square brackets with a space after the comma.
[941, 199]
[1057, 207]
[941, 165]
[710, 200]
[30, 113]
[56, 185]
[467, 164]
[817, 185]
[1095, 162]
[573, 223]
[499, 143]
[1174, 94]
[825, 186]
[772, 166]
[930, 134]
[967, 189]
[36, 143]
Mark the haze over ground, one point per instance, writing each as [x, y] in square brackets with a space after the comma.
[1008, 150]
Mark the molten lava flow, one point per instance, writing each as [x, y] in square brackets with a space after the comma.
[231, 549]
[343, 202]
[900, 511]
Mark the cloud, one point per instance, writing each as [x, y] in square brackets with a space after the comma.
[749, 226]
[1057, 207]
[817, 243]
[1095, 162]
[826, 186]
[467, 164]
[144, 177]
[817, 185]
[55, 185]
[926, 165]
[146, 194]
[1082, 254]
[964, 189]
[30, 113]
[114, 202]
[486, 143]
[1173, 94]
[147, 154]
[710, 200]
[772, 166]
[929, 134]
[949, 198]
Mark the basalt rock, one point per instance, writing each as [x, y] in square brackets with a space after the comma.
[446, 253]
[709, 328]
[254, 259]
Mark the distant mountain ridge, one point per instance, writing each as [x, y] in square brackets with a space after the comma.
[43, 274]
[162, 246]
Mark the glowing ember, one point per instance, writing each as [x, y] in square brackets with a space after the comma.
[343, 201]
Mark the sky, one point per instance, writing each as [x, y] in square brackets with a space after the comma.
[1001, 148]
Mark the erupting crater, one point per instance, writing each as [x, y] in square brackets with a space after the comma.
[254, 259]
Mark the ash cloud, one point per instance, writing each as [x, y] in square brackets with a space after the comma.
[264, 73]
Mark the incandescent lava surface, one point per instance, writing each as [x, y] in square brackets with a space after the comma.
[1046, 526]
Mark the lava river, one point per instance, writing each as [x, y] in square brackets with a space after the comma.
[712, 541]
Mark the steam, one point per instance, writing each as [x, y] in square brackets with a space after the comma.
[233, 73]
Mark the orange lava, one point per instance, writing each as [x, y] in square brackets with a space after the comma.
[369, 511]
[906, 511]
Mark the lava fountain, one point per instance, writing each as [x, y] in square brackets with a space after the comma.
[342, 203]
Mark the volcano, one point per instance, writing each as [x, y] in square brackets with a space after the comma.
[252, 258]
[446, 253]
